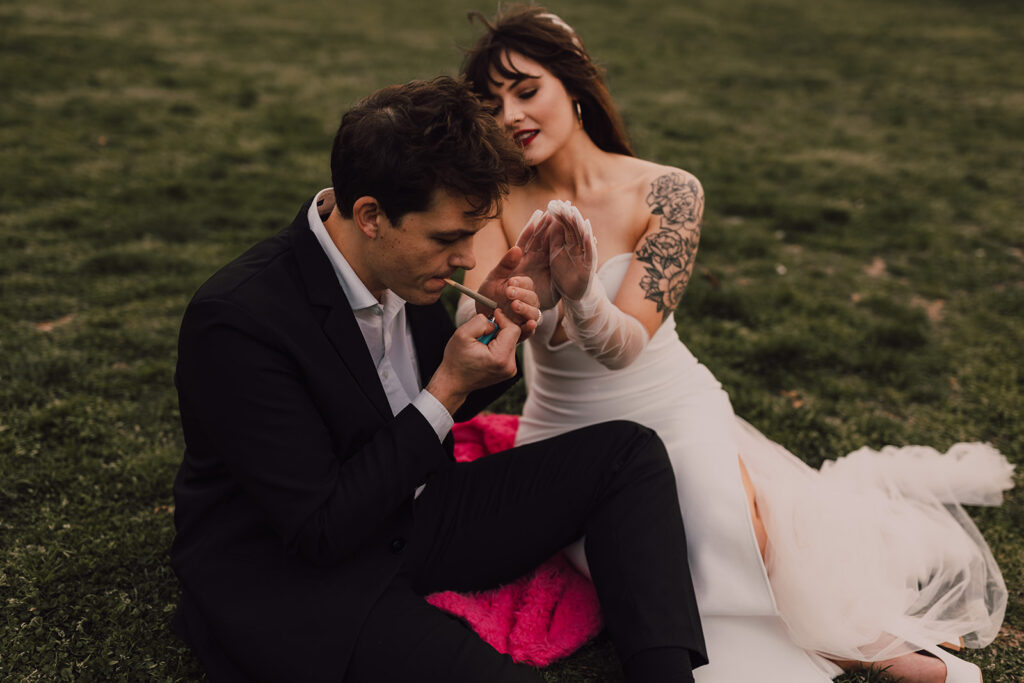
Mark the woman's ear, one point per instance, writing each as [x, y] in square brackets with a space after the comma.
[368, 216]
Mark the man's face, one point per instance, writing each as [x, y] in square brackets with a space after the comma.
[413, 258]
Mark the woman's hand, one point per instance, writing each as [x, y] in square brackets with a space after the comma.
[572, 250]
[534, 241]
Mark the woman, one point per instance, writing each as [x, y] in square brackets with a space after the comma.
[769, 538]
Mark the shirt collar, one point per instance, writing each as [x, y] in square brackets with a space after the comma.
[359, 297]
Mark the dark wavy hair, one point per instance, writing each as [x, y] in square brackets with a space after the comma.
[536, 33]
[402, 143]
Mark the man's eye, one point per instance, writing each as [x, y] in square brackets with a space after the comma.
[446, 240]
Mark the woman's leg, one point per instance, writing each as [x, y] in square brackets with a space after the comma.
[910, 668]
[755, 514]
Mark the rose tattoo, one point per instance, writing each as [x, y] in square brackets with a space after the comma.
[669, 253]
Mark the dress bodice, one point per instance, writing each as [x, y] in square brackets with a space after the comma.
[567, 385]
[611, 273]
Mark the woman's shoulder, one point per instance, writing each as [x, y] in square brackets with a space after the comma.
[644, 175]
[649, 173]
[657, 187]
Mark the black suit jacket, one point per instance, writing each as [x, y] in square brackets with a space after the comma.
[294, 498]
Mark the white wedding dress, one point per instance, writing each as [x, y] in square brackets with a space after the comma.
[868, 558]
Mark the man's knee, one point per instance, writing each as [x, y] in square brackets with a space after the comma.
[632, 444]
[620, 431]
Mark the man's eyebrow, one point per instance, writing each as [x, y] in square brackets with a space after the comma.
[454, 233]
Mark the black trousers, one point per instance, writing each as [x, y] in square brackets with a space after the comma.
[491, 521]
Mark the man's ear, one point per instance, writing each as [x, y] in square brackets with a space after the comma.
[368, 216]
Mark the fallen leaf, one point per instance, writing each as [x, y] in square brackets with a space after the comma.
[934, 308]
[710, 277]
[793, 396]
[877, 267]
[1010, 636]
[51, 324]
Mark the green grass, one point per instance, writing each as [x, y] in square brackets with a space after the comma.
[860, 280]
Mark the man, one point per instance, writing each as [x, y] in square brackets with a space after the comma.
[318, 379]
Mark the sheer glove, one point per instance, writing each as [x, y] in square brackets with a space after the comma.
[572, 250]
[595, 324]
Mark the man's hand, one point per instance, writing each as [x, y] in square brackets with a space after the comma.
[469, 365]
[514, 293]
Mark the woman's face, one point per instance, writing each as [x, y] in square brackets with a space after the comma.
[534, 107]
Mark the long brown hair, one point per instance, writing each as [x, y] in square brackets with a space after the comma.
[536, 33]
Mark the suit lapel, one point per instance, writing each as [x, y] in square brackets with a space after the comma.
[339, 323]
[346, 337]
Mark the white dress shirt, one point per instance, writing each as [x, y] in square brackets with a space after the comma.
[384, 327]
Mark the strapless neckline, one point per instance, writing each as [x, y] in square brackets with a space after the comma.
[625, 254]
[548, 329]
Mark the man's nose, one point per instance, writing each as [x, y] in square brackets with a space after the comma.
[463, 257]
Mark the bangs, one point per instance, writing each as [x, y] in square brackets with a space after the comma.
[500, 62]
[494, 57]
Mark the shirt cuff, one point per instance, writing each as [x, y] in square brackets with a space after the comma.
[437, 415]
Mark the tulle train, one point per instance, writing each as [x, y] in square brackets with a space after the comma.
[872, 556]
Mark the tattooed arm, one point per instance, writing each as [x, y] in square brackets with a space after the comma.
[615, 333]
[664, 255]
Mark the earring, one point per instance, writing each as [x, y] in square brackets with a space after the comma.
[579, 112]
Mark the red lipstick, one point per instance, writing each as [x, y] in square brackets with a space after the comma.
[525, 137]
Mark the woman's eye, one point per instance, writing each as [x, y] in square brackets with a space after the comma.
[527, 94]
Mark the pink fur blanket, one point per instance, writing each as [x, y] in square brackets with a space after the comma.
[541, 617]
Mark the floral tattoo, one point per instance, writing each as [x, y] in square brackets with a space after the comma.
[669, 253]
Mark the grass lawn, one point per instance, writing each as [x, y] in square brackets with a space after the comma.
[860, 280]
